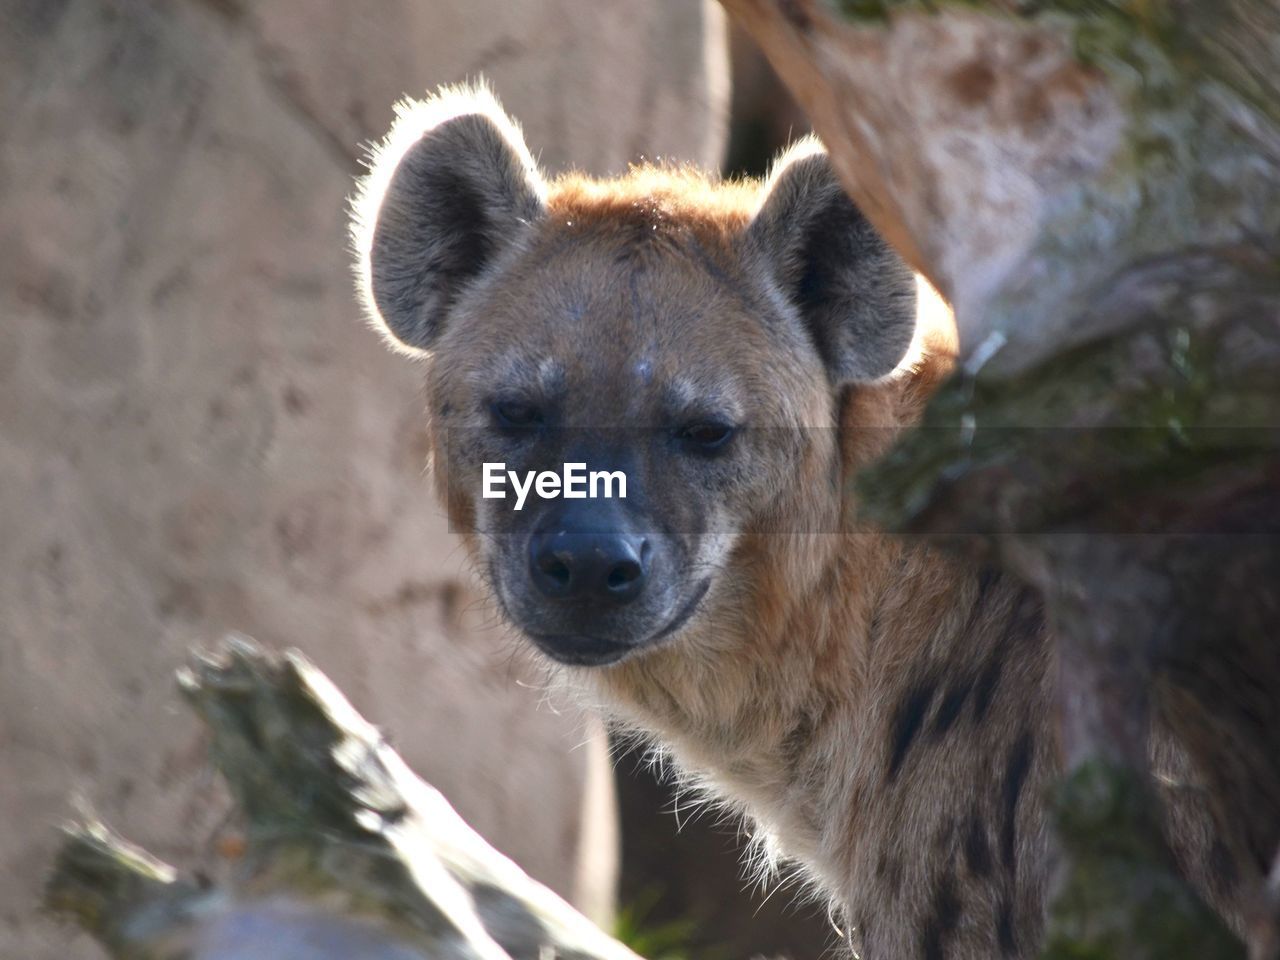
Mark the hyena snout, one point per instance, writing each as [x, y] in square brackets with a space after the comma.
[609, 568]
[593, 583]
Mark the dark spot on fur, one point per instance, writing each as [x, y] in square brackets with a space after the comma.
[889, 872]
[952, 703]
[946, 833]
[907, 723]
[1025, 624]
[1015, 776]
[798, 736]
[984, 690]
[977, 851]
[988, 577]
[1004, 930]
[938, 928]
[1222, 867]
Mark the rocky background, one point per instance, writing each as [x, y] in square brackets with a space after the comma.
[197, 435]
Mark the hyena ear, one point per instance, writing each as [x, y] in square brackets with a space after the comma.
[855, 295]
[449, 189]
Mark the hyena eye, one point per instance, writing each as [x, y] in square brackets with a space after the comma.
[706, 435]
[516, 413]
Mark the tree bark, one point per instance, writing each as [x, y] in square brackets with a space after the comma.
[1094, 187]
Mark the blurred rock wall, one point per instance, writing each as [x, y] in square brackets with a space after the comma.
[197, 435]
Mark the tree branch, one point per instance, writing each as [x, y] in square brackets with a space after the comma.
[347, 852]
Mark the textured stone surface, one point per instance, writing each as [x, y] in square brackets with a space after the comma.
[195, 433]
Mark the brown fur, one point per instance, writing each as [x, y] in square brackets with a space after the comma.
[881, 713]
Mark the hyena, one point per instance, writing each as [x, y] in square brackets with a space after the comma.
[879, 712]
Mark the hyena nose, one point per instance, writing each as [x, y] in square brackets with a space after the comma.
[599, 567]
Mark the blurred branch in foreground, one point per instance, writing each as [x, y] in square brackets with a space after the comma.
[348, 853]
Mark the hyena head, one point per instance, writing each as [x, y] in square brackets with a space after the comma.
[694, 336]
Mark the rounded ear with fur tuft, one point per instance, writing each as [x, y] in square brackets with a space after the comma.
[855, 295]
[448, 190]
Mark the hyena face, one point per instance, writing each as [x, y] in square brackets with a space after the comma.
[693, 337]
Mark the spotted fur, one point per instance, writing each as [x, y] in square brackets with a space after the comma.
[880, 713]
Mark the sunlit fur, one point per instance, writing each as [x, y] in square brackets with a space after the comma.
[412, 118]
[881, 714]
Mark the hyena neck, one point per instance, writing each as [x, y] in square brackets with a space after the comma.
[831, 661]
[788, 636]
[779, 710]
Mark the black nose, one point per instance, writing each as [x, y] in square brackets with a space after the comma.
[599, 567]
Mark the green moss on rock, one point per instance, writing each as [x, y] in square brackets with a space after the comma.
[1087, 438]
[1119, 896]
